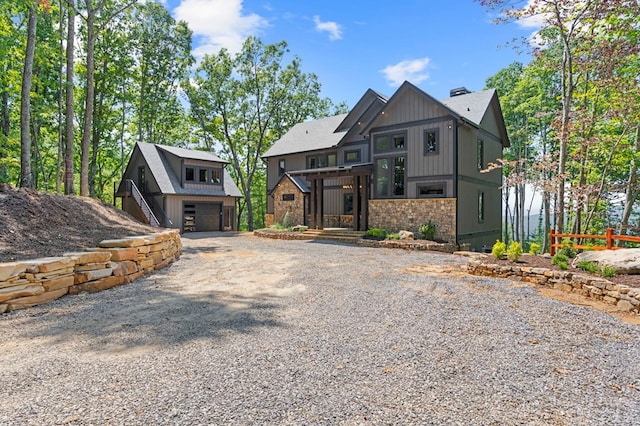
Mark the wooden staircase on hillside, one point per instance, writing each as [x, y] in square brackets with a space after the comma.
[337, 234]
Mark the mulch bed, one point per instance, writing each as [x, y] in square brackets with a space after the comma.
[544, 262]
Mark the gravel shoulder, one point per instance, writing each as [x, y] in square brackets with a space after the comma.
[244, 330]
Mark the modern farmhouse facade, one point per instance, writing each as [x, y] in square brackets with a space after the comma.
[179, 188]
[395, 163]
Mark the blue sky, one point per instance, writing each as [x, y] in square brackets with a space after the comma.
[354, 45]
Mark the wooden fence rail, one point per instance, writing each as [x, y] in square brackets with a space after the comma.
[609, 238]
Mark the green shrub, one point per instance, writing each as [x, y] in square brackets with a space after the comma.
[428, 230]
[534, 248]
[587, 266]
[286, 221]
[514, 251]
[377, 233]
[499, 249]
[608, 271]
[567, 249]
[394, 236]
[561, 261]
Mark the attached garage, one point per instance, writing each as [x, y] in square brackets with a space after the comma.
[202, 217]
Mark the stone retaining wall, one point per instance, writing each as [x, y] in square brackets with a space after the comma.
[32, 282]
[624, 297]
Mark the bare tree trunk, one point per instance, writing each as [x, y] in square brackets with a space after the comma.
[516, 208]
[4, 129]
[26, 180]
[506, 215]
[631, 192]
[89, 101]
[69, 109]
[59, 155]
[95, 139]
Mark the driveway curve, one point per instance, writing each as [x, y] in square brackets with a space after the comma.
[243, 330]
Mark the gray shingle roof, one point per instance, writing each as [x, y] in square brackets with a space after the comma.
[471, 106]
[309, 136]
[169, 183]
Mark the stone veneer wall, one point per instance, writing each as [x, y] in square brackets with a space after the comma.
[295, 208]
[624, 297]
[409, 214]
[32, 282]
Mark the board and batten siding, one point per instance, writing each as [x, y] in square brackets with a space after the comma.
[174, 205]
[135, 163]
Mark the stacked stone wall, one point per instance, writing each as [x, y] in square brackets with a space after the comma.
[32, 282]
[409, 214]
[294, 208]
[624, 297]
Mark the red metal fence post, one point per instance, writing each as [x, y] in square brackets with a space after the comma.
[609, 235]
[552, 241]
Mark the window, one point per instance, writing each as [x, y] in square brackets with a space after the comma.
[203, 175]
[215, 176]
[281, 167]
[390, 142]
[352, 156]
[348, 203]
[322, 160]
[431, 190]
[480, 207]
[431, 142]
[189, 174]
[390, 174]
[288, 197]
[480, 154]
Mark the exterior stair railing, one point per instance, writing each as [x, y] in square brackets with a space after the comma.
[144, 206]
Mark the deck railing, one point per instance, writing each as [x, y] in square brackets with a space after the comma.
[144, 206]
[609, 238]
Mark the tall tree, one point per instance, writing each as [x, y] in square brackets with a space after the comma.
[246, 101]
[69, 99]
[26, 179]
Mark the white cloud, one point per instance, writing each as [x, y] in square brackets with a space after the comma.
[413, 70]
[218, 24]
[334, 29]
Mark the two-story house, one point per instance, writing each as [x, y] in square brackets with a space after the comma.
[179, 188]
[395, 163]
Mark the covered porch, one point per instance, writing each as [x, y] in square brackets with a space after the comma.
[359, 176]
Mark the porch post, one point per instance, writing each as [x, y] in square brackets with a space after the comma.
[320, 203]
[356, 203]
[312, 204]
[365, 202]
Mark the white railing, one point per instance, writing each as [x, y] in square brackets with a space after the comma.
[146, 210]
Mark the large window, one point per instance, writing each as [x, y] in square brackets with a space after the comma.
[431, 142]
[480, 154]
[390, 177]
[390, 142]
[322, 160]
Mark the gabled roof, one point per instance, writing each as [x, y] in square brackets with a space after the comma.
[371, 100]
[309, 136]
[168, 182]
[298, 181]
[472, 106]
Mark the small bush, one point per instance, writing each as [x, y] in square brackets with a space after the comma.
[394, 236]
[587, 266]
[534, 248]
[514, 251]
[561, 261]
[286, 221]
[608, 271]
[377, 233]
[567, 249]
[499, 249]
[428, 230]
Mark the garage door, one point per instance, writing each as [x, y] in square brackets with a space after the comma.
[201, 217]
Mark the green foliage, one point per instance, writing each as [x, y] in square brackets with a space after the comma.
[380, 233]
[561, 261]
[394, 236]
[428, 230]
[567, 249]
[514, 251]
[534, 248]
[499, 249]
[587, 266]
[608, 271]
[286, 221]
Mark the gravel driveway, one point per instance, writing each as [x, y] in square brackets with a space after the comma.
[244, 330]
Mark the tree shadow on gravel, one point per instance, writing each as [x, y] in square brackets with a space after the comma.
[150, 317]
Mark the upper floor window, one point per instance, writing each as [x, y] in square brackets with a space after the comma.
[480, 154]
[189, 174]
[215, 176]
[281, 167]
[203, 175]
[480, 207]
[322, 160]
[206, 175]
[431, 142]
[389, 142]
[352, 156]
